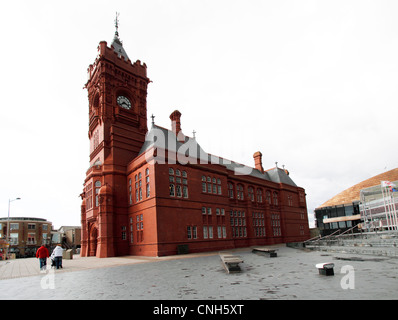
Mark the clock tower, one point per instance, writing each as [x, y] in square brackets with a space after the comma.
[117, 91]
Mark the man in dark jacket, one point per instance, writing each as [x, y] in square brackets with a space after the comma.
[42, 254]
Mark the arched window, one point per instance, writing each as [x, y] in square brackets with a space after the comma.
[148, 186]
[179, 183]
[230, 190]
[239, 192]
[130, 194]
[275, 198]
[259, 195]
[138, 187]
[290, 200]
[251, 193]
[268, 197]
[97, 188]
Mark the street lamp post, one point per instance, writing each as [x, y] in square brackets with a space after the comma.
[8, 224]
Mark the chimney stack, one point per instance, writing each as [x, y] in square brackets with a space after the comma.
[258, 163]
[176, 122]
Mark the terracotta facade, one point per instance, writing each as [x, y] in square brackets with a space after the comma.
[157, 192]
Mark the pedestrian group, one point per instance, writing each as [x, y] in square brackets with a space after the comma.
[56, 257]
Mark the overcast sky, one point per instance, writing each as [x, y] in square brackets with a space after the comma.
[310, 84]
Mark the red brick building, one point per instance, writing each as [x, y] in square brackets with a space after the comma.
[158, 192]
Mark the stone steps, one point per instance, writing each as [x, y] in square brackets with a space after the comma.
[385, 244]
[368, 250]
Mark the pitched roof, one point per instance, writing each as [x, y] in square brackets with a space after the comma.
[161, 138]
[118, 48]
[353, 193]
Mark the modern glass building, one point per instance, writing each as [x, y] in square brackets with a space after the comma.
[346, 210]
[341, 217]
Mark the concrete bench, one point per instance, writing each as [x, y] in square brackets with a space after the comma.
[325, 268]
[231, 262]
[272, 252]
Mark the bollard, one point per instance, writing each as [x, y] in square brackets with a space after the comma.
[325, 269]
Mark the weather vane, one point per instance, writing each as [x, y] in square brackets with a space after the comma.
[117, 24]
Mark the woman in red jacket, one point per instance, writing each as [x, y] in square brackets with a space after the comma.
[42, 254]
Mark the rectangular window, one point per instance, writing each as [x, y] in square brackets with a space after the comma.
[189, 232]
[14, 238]
[31, 238]
[179, 192]
[210, 232]
[172, 190]
[219, 233]
[194, 232]
[31, 226]
[14, 226]
[205, 235]
[148, 190]
[185, 191]
[224, 232]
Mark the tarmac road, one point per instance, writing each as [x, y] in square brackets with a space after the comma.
[291, 275]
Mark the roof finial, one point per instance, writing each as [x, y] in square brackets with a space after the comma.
[153, 119]
[193, 133]
[117, 24]
[276, 164]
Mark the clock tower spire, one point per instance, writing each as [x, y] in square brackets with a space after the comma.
[117, 44]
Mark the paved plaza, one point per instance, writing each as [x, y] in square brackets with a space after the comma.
[291, 275]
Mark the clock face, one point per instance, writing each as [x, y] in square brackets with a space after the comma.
[123, 102]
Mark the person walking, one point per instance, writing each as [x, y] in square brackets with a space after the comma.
[57, 256]
[42, 255]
